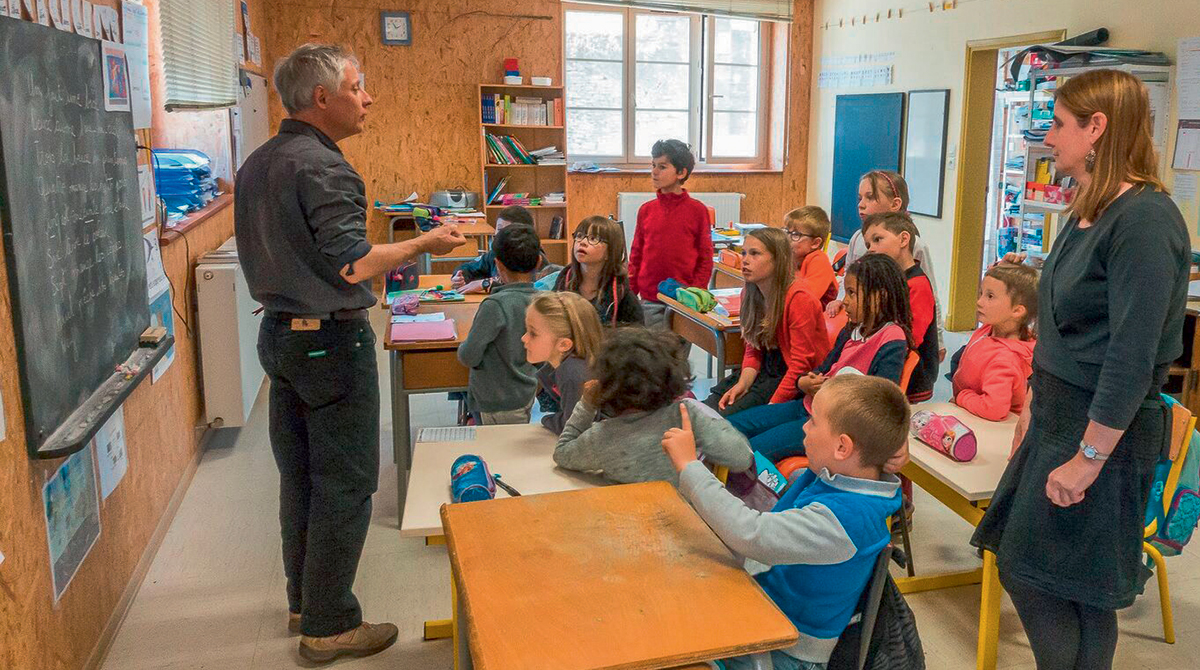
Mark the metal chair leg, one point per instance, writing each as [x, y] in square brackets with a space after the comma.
[1164, 592]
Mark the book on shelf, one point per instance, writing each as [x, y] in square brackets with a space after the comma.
[555, 198]
[507, 150]
[495, 193]
[556, 228]
[521, 111]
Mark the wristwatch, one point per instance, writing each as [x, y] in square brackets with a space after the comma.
[1089, 452]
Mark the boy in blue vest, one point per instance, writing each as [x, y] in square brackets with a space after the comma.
[814, 553]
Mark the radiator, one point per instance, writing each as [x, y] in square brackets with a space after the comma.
[228, 329]
[728, 208]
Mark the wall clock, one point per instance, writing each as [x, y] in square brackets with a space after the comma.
[397, 28]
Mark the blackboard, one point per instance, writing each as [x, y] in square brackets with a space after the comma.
[866, 136]
[71, 216]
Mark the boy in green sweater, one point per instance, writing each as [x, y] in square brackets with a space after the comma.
[502, 383]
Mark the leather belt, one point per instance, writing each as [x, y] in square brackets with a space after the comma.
[340, 315]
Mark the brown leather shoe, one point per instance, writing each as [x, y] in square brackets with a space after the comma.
[293, 623]
[365, 640]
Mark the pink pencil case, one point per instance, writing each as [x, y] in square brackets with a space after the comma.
[946, 434]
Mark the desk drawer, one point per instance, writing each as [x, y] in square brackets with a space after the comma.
[433, 370]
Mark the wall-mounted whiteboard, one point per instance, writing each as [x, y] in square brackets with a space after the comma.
[925, 150]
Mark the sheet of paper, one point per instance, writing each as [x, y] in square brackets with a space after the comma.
[156, 275]
[447, 434]
[111, 457]
[116, 77]
[413, 197]
[1187, 145]
[1160, 110]
[161, 314]
[135, 19]
[1186, 194]
[419, 318]
[1187, 78]
[60, 15]
[72, 515]
[245, 16]
[146, 194]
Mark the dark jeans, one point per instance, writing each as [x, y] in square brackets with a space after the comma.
[775, 431]
[771, 371]
[1064, 635]
[324, 425]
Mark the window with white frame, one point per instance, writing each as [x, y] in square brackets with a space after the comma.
[634, 77]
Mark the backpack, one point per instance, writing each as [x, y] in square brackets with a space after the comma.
[894, 645]
[1174, 526]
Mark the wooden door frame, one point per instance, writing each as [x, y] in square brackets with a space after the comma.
[975, 141]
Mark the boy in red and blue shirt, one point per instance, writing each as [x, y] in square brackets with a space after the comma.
[894, 234]
[673, 237]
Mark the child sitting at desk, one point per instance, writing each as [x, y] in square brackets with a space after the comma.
[808, 228]
[640, 377]
[991, 373]
[501, 384]
[598, 271]
[894, 235]
[782, 326]
[815, 551]
[479, 275]
[562, 333]
[874, 342]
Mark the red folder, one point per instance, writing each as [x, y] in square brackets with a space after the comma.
[424, 331]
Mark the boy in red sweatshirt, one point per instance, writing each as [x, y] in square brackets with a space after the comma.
[894, 234]
[991, 373]
[673, 237]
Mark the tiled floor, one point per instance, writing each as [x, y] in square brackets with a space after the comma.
[214, 597]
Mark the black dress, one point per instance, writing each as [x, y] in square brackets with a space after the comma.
[1110, 321]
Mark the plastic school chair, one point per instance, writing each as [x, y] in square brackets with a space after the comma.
[1181, 435]
[788, 466]
[836, 324]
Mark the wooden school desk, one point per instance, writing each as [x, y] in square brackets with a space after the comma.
[725, 276]
[965, 488]
[434, 281]
[719, 336]
[612, 577]
[521, 454]
[424, 367]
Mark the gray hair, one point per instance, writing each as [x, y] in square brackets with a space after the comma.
[306, 68]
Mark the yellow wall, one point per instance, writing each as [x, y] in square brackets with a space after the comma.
[930, 53]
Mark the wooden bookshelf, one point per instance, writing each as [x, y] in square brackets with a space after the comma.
[537, 180]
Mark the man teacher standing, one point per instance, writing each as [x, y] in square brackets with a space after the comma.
[300, 218]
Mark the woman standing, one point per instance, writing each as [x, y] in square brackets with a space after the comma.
[1066, 520]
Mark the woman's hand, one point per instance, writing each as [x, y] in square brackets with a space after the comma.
[680, 443]
[1011, 257]
[810, 383]
[832, 309]
[733, 394]
[1067, 483]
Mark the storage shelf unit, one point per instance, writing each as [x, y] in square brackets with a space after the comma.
[538, 179]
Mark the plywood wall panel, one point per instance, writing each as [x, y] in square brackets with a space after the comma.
[422, 132]
[162, 438]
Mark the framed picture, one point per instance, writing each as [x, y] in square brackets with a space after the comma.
[396, 28]
[925, 150]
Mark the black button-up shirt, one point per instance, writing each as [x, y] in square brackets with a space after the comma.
[300, 215]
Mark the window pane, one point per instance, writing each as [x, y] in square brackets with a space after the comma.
[735, 134]
[592, 84]
[594, 133]
[736, 41]
[653, 126]
[595, 35]
[663, 38]
[662, 86]
[736, 86]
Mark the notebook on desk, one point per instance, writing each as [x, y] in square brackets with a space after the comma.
[424, 331]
